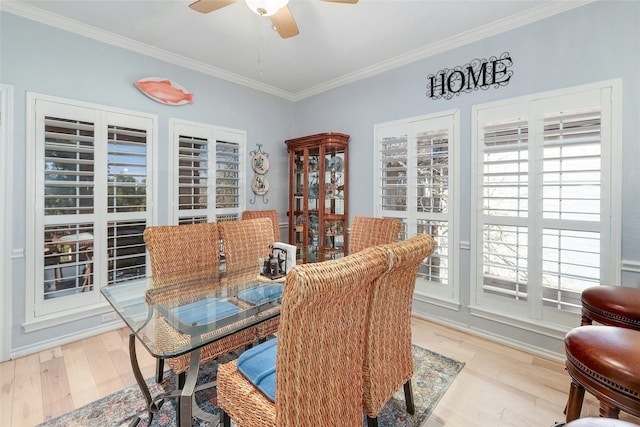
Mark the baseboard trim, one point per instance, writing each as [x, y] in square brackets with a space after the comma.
[518, 345]
[65, 339]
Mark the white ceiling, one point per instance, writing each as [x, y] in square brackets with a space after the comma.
[338, 43]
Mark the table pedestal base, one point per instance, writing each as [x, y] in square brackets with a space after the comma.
[186, 406]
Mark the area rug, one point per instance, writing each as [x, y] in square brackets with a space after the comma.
[433, 374]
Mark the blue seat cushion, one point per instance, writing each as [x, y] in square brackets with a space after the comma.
[258, 365]
[260, 294]
[204, 311]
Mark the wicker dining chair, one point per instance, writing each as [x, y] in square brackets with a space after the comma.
[244, 243]
[272, 214]
[388, 363]
[368, 231]
[320, 349]
[182, 252]
[182, 249]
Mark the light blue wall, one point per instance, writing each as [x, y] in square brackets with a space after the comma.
[596, 42]
[39, 58]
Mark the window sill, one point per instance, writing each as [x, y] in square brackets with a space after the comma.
[539, 327]
[438, 301]
[68, 316]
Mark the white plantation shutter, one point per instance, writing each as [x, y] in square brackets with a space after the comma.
[571, 206]
[69, 158]
[127, 169]
[90, 195]
[128, 194]
[431, 165]
[545, 174]
[126, 250]
[393, 172]
[228, 177]
[432, 170]
[435, 268]
[209, 172]
[414, 164]
[506, 169]
[193, 178]
[505, 206]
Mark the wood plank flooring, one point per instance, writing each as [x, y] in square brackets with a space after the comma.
[499, 386]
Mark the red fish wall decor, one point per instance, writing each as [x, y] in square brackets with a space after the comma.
[164, 91]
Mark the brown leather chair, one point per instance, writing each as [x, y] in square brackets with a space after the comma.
[604, 360]
[611, 305]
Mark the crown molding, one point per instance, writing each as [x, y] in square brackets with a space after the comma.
[497, 27]
[73, 26]
[476, 34]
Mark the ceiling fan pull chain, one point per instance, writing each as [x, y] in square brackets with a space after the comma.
[259, 58]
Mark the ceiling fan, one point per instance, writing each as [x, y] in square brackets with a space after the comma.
[277, 10]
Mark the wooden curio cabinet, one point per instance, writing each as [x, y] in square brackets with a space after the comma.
[317, 213]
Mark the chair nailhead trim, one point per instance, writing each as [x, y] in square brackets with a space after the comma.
[615, 317]
[602, 379]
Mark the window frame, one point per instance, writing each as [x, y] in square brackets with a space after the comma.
[42, 314]
[213, 134]
[532, 314]
[6, 154]
[447, 296]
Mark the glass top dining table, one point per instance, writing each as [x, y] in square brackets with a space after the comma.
[176, 314]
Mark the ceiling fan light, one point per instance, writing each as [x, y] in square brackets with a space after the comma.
[266, 7]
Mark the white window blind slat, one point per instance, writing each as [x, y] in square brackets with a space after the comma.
[210, 173]
[127, 169]
[560, 164]
[414, 183]
[69, 159]
[227, 175]
[95, 172]
[193, 181]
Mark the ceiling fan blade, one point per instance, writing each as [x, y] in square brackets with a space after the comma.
[206, 6]
[284, 23]
[343, 1]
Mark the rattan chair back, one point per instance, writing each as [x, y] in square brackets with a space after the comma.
[320, 348]
[245, 241]
[367, 232]
[388, 356]
[187, 252]
[272, 214]
[175, 250]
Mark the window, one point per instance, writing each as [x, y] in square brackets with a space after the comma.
[90, 198]
[209, 172]
[547, 202]
[415, 180]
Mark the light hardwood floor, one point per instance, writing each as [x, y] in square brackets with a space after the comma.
[498, 386]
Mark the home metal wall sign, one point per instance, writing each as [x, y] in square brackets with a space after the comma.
[478, 74]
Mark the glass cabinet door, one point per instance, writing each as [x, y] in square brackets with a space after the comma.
[299, 205]
[313, 206]
[317, 203]
[306, 182]
[334, 181]
[334, 209]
